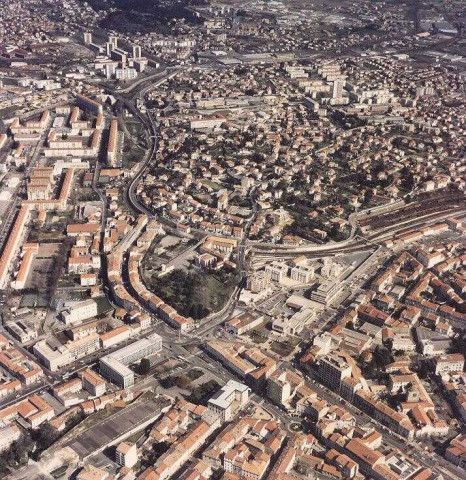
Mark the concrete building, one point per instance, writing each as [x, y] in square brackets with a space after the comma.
[88, 279]
[21, 331]
[333, 369]
[293, 325]
[89, 472]
[137, 53]
[8, 435]
[125, 73]
[456, 452]
[449, 363]
[302, 274]
[227, 401]
[80, 311]
[126, 454]
[244, 322]
[112, 143]
[110, 68]
[52, 357]
[55, 356]
[115, 336]
[258, 282]
[115, 365]
[30, 250]
[93, 382]
[277, 271]
[33, 410]
[14, 240]
[113, 41]
[337, 89]
[87, 103]
[282, 385]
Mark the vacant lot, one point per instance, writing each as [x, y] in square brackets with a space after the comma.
[182, 380]
[284, 347]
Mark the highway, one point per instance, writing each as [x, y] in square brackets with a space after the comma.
[151, 127]
[148, 121]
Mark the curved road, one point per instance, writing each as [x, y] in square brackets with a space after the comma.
[151, 126]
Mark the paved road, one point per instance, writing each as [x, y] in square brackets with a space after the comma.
[142, 81]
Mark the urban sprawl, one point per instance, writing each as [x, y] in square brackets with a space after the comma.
[232, 240]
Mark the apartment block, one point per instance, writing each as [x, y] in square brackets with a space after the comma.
[80, 311]
[227, 401]
[115, 365]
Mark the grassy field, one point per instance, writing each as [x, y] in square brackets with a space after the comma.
[103, 305]
[257, 336]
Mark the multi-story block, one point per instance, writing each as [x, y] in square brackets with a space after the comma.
[449, 363]
[227, 401]
[333, 369]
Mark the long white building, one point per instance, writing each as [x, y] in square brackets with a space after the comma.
[115, 365]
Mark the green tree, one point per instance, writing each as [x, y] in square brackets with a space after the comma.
[382, 357]
[144, 366]
[47, 436]
[16, 455]
[3, 466]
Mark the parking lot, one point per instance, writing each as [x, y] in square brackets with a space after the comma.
[42, 267]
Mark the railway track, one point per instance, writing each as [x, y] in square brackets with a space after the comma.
[261, 255]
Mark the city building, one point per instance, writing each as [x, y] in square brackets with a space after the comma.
[282, 386]
[93, 382]
[89, 104]
[115, 365]
[14, 240]
[8, 435]
[229, 400]
[80, 311]
[333, 369]
[53, 355]
[449, 363]
[126, 454]
[112, 143]
[244, 322]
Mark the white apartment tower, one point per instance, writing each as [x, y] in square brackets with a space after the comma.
[113, 41]
[337, 91]
[110, 69]
[137, 51]
[109, 48]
